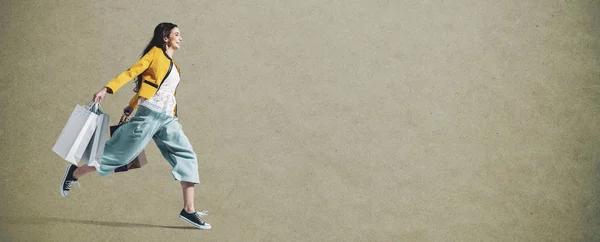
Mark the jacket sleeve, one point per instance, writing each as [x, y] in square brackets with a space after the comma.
[133, 71]
[133, 103]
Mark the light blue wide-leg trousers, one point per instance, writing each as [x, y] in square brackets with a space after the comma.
[131, 138]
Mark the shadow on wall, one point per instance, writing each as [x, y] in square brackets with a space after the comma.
[49, 220]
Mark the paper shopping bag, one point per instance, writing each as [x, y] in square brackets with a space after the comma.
[95, 149]
[76, 134]
[139, 161]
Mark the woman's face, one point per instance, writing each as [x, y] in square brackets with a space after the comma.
[174, 39]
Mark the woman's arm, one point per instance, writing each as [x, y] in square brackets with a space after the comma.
[130, 73]
[100, 95]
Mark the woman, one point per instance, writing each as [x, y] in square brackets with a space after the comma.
[156, 118]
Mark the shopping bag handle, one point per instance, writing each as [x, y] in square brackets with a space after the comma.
[90, 105]
[124, 119]
[99, 108]
[94, 107]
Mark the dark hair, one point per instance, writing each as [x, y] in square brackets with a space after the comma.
[161, 31]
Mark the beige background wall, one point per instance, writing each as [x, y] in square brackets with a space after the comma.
[317, 120]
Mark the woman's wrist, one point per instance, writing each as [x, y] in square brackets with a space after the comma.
[107, 90]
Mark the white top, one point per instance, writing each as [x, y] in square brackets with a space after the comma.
[164, 99]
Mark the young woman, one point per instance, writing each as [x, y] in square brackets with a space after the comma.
[156, 118]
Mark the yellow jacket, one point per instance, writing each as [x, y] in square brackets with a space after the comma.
[154, 66]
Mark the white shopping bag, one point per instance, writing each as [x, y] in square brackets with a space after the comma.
[95, 149]
[76, 134]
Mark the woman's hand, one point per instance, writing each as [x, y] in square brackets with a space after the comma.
[100, 95]
[127, 111]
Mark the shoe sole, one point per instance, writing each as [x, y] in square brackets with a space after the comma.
[194, 224]
[62, 192]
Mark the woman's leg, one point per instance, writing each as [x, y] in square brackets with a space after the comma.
[129, 140]
[83, 170]
[189, 213]
[125, 144]
[188, 196]
[177, 150]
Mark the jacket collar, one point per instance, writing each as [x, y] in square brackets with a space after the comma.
[165, 53]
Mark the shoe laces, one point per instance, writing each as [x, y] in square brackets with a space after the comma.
[70, 184]
[201, 214]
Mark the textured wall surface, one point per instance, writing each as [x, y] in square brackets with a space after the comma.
[317, 120]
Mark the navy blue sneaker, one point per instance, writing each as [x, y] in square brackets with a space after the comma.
[68, 180]
[194, 219]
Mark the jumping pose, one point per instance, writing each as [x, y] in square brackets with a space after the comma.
[156, 118]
